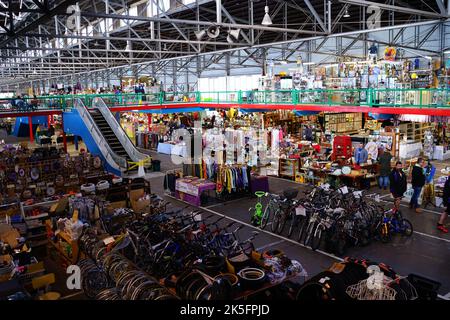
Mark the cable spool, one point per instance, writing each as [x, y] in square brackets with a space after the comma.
[88, 188]
[102, 185]
[213, 32]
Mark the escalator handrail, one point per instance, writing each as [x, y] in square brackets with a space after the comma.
[103, 145]
[126, 142]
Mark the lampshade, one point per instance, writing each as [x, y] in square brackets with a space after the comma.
[346, 14]
[233, 35]
[266, 20]
[200, 34]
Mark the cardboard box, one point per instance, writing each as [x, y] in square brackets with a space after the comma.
[115, 205]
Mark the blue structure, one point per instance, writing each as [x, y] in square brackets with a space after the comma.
[22, 126]
[74, 124]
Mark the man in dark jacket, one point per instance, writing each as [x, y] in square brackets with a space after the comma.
[385, 169]
[418, 181]
[398, 184]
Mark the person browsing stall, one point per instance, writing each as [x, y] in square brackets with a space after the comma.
[418, 181]
[360, 154]
[385, 169]
[398, 184]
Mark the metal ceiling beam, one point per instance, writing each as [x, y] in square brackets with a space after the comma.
[58, 9]
[441, 6]
[193, 22]
[63, 36]
[389, 7]
[316, 15]
[271, 45]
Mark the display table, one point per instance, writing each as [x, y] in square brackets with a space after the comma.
[190, 189]
[410, 150]
[165, 148]
[179, 150]
[440, 154]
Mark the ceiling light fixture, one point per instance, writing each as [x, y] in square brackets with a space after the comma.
[267, 21]
[346, 14]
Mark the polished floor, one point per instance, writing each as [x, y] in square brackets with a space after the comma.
[426, 252]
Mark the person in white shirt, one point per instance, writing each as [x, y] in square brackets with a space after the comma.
[372, 150]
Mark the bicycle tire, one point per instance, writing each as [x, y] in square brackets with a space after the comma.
[275, 221]
[317, 238]
[301, 225]
[410, 229]
[265, 217]
[293, 224]
[282, 222]
[309, 232]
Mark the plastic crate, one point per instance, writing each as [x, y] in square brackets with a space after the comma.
[426, 288]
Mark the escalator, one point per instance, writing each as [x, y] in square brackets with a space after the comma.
[103, 137]
[109, 135]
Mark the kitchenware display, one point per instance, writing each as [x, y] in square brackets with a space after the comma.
[50, 191]
[346, 170]
[35, 173]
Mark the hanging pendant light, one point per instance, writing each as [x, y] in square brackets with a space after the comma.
[266, 20]
[346, 14]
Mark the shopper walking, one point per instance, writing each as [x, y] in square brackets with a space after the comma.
[418, 181]
[385, 169]
[446, 201]
[361, 154]
[398, 184]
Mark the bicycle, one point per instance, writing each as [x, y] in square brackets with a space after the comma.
[393, 222]
[260, 218]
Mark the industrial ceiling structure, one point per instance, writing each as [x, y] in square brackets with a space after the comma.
[97, 42]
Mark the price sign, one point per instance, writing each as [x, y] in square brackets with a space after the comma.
[300, 211]
[108, 240]
[344, 190]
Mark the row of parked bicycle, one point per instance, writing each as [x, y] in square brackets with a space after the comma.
[338, 218]
[199, 257]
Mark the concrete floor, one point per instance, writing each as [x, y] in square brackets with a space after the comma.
[426, 252]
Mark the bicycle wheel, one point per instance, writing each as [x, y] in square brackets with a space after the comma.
[301, 224]
[265, 217]
[309, 233]
[293, 223]
[282, 222]
[317, 238]
[406, 227]
[276, 221]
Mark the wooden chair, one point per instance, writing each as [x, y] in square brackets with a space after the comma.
[44, 282]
